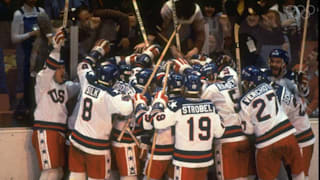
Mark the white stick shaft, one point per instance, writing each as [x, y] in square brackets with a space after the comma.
[143, 31]
[236, 40]
[65, 14]
[175, 23]
[152, 152]
[159, 61]
[305, 28]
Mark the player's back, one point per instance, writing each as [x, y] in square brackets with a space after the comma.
[94, 120]
[261, 108]
[196, 124]
[295, 110]
[224, 95]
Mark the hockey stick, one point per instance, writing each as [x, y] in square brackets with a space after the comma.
[236, 41]
[65, 14]
[156, 132]
[304, 36]
[175, 23]
[133, 137]
[150, 79]
[163, 38]
[143, 31]
[159, 61]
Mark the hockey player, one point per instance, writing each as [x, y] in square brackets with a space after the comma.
[262, 116]
[278, 61]
[126, 152]
[209, 73]
[226, 67]
[295, 110]
[196, 123]
[233, 145]
[52, 93]
[161, 160]
[90, 144]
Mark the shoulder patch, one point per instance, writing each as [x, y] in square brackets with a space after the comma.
[174, 105]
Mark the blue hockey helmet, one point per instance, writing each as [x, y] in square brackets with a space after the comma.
[209, 72]
[175, 82]
[280, 53]
[143, 77]
[192, 84]
[107, 74]
[196, 67]
[252, 76]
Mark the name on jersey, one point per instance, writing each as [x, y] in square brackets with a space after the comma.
[255, 93]
[92, 91]
[229, 84]
[196, 108]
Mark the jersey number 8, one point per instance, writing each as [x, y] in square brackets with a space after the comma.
[87, 107]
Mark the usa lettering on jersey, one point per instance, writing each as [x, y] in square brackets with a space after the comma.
[197, 108]
[57, 97]
[255, 93]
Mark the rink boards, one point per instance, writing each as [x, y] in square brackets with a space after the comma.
[18, 159]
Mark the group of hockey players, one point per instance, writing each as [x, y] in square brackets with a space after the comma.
[203, 117]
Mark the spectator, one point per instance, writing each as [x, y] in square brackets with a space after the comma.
[54, 7]
[24, 29]
[313, 77]
[290, 17]
[101, 24]
[248, 39]
[311, 68]
[151, 18]
[192, 29]
[271, 36]
[214, 41]
[40, 50]
[5, 17]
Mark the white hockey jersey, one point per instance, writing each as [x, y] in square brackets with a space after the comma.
[262, 115]
[120, 121]
[295, 109]
[51, 98]
[288, 81]
[227, 72]
[94, 120]
[224, 95]
[196, 124]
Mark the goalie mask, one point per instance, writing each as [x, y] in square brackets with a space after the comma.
[223, 61]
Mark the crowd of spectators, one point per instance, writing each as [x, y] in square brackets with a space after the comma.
[264, 25]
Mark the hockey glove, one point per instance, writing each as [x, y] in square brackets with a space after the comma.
[99, 50]
[140, 103]
[303, 84]
[159, 103]
[143, 60]
[181, 65]
[152, 51]
[58, 39]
